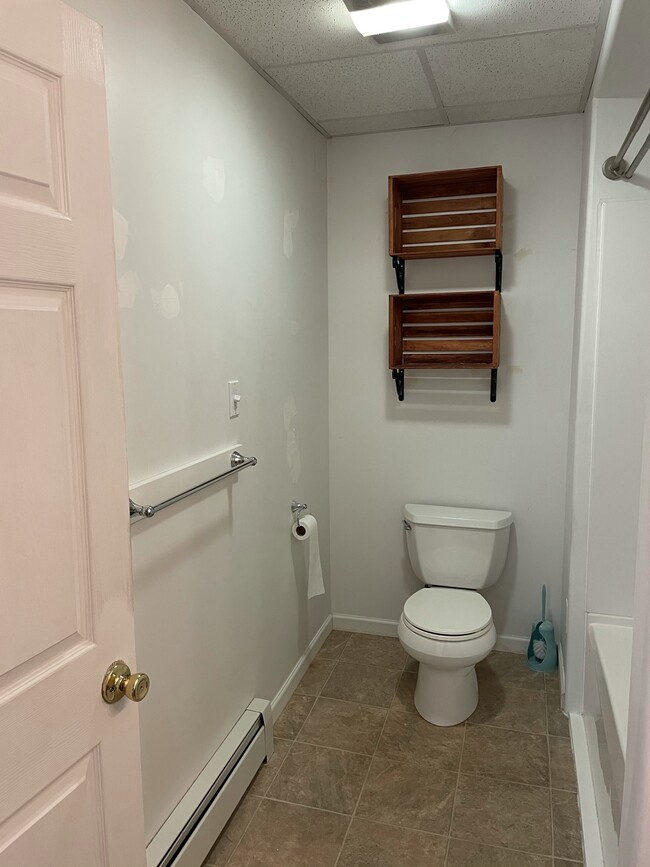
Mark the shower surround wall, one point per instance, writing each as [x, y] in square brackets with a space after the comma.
[220, 191]
[441, 445]
[610, 388]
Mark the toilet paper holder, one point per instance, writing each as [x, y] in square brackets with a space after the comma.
[298, 508]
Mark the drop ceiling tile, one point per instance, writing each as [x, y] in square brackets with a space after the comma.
[514, 108]
[275, 32]
[480, 18]
[358, 86]
[383, 122]
[513, 67]
[278, 32]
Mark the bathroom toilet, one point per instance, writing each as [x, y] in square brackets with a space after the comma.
[447, 626]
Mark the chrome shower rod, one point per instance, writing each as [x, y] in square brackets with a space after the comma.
[615, 168]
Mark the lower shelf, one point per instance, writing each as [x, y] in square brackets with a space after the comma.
[444, 330]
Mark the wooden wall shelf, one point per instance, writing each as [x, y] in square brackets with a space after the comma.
[444, 330]
[446, 214]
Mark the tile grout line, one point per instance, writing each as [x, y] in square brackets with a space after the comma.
[307, 807]
[484, 776]
[232, 854]
[295, 741]
[318, 695]
[453, 804]
[365, 779]
[335, 749]
[514, 851]
[550, 776]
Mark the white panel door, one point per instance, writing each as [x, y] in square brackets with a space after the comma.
[70, 785]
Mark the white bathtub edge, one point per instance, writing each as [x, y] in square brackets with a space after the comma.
[586, 794]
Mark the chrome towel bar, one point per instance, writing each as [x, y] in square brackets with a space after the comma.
[237, 462]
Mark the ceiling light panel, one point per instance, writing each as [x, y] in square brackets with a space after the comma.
[373, 18]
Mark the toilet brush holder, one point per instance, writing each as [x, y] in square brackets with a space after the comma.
[542, 649]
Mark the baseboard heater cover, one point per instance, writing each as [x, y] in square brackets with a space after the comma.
[191, 829]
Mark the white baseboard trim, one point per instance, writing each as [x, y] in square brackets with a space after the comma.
[512, 643]
[376, 626]
[286, 690]
[369, 625]
[586, 793]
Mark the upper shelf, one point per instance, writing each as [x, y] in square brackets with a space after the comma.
[446, 214]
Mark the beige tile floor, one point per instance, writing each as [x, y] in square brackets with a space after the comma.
[358, 779]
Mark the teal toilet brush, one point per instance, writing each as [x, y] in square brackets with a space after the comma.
[542, 649]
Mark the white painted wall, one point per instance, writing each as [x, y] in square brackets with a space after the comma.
[611, 375]
[221, 190]
[442, 445]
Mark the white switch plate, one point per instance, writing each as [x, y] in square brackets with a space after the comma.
[233, 398]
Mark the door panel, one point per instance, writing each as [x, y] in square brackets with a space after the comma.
[43, 827]
[33, 173]
[70, 787]
[49, 596]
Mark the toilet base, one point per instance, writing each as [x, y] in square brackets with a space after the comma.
[446, 692]
[446, 697]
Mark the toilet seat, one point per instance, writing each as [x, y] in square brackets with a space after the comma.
[447, 614]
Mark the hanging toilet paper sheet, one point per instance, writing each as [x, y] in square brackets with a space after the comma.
[307, 532]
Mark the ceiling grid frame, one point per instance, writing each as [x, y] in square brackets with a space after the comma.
[299, 46]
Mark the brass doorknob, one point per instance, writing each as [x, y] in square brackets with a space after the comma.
[119, 682]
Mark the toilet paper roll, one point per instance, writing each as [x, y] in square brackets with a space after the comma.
[307, 532]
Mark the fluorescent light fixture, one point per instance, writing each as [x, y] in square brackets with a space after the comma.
[402, 15]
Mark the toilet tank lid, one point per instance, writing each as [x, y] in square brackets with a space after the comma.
[451, 516]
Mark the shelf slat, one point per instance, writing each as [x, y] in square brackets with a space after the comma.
[442, 236]
[413, 317]
[447, 301]
[449, 221]
[461, 345]
[443, 206]
[479, 361]
[452, 330]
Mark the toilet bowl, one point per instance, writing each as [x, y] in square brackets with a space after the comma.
[447, 626]
[446, 692]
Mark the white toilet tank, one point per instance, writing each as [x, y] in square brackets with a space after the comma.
[455, 547]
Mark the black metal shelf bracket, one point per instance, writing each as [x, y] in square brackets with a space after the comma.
[398, 376]
[400, 273]
[498, 264]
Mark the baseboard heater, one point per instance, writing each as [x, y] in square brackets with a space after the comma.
[189, 833]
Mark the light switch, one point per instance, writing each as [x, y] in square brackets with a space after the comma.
[234, 397]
